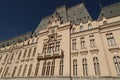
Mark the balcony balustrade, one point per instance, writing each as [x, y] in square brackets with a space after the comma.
[53, 54]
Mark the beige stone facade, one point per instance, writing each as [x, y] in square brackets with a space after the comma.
[65, 51]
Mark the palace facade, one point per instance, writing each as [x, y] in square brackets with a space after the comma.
[67, 45]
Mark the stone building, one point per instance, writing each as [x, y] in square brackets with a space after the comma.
[67, 45]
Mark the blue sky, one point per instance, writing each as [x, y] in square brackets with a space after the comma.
[21, 16]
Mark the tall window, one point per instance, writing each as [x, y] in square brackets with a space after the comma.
[74, 44]
[48, 69]
[29, 53]
[49, 48]
[6, 72]
[61, 67]
[34, 51]
[105, 22]
[90, 26]
[96, 66]
[30, 69]
[53, 67]
[5, 58]
[24, 53]
[73, 30]
[74, 67]
[53, 47]
[81, 28]
[92, 41]
[57, 46]
[110, 39]
[14, 70]
[24, 71]
[33, 41]
[0, 57]
[44, 48]
[1, 70]
[82, 41]
[19, 55]
[116, 60]
[19, 70]
[85, 71]
[11, 58]
[44, 68]
[37, 68]
[28, 42]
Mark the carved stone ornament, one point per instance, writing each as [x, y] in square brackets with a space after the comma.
[85, 52]
[94, 51]
[114, 50]
[55, 19]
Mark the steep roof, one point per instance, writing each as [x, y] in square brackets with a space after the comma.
[78, 13]
[16, 39]
[110, 11]
[75, 14]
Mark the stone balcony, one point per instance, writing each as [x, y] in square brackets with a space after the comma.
[54, 54]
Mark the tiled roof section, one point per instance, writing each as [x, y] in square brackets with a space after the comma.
[110, 11]
[15, 39]
[78, 13]
[45, 21]
[42, 25]
[75, 14]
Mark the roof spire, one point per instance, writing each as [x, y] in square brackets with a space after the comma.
[83, 1]
[99, 3]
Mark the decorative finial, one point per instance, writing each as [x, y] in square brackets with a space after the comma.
[83, 1]
[99, 3]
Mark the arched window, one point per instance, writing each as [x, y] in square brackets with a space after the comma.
[53, 67]
[48, 68]
[75, 67]
[0, 57]
[5, 58]
[44, 68]
[24, 53]
[37, 39]
[105, 22]
[12, 56]
[34, 51]
[85, 70]
[20, 68]
[19, 55]
[96, 66]
[37, 68]
[81, 28]
[74, 44]
[61, 67]
[6, 72]
[1, 70]
[28, 42]
[90, 26]
[116, 60]
[33, 41]
[92, 41]
[29, 53]
[73, 30]
[30, 69]
[14, 70]
[24, 71]
[82, 43]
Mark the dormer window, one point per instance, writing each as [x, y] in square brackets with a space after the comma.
[8, 44]
[81, 28]
[105, 22]
[73, 30]
[3, 45]
[33, 41]
[28, 42]
[90, 26]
